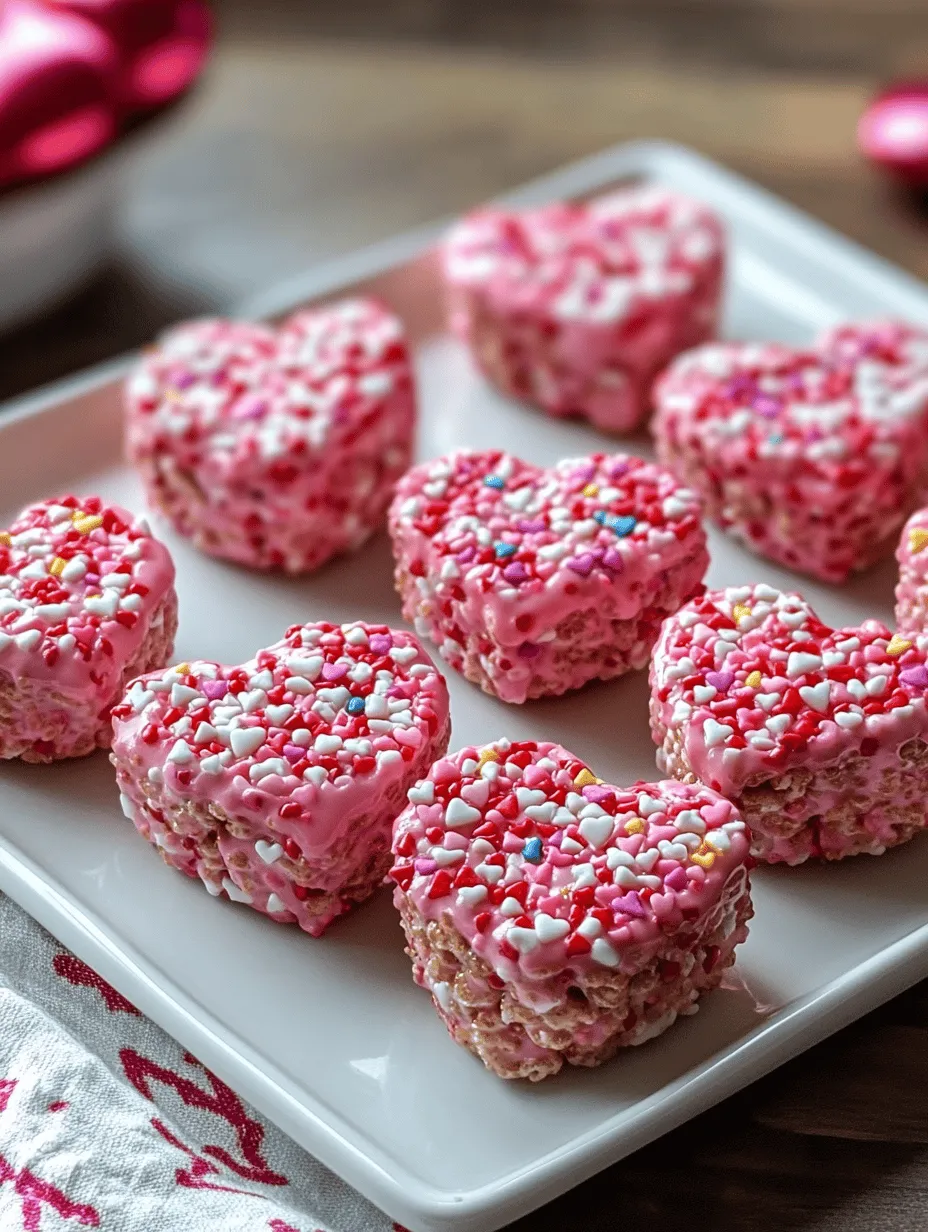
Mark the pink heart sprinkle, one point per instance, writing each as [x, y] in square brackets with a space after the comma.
[629, 905]
[717, 814]
[334, 671]
[676, 880]
[293, 752]
[515, 573]
[380, 643]
[213, 689]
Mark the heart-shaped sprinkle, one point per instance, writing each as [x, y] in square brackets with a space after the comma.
[575, 307]
[845, 716]
[276, 449]
[518, 625]
[812, 457]
[86, 599]
[912, 590]
[295, 798]
[544, 929]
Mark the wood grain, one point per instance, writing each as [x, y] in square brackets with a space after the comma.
[328, 124]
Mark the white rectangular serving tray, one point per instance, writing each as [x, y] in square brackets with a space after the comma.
[329, 1038]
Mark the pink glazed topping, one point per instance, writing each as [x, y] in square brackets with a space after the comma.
[542, 867]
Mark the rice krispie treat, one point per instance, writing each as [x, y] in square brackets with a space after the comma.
[86, 602]
[275, 448]
[277, 782]
[813, 458]
[576, 307]
[818, 736]
[556, 918]
[912, 590]
[533, 581]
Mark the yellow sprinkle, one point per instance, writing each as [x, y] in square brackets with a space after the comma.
[591, 489]
[740, 611]
[84, 523]
[635, 826]
[182, 669]
[57, 565]
[704, 857]
[897, 645]
[585, 778]
[487, 755]
[5, 538]
[173, 395]
[753, 681]
[918, 538]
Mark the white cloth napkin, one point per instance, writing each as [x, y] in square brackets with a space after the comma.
[105, 1121]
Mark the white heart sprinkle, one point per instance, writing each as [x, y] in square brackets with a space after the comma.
[422, 792]
[817, 696]
[460, 813]
[181, 753]
[268, 852]
[647, 859]
[848, 719]
[604, 954]
[547, 928]
[275, 905]
[597, 830]
[716, 733]
[234, 892]
[470, 896]
[524, 939]
[246, 740]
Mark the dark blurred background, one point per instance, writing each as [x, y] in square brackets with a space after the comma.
[324, 124]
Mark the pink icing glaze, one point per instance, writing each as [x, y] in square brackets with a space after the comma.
[276, 450]
[601, 875]
[814, 457]
[912, 590]
[494, 556]
[80, 584]
[307, 749]
[576, 306]
[759, 686]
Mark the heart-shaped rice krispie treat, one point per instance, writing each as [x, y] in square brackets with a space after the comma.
[576, 307]
[277, 782]
[534, 581]
[813, 457]
[86, 602]
[912, 589]
[556, 918]
[275, 448]
[818, 736]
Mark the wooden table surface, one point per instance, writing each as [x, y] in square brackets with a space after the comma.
[325, 124]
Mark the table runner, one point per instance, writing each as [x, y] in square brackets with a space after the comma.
[106, 1122]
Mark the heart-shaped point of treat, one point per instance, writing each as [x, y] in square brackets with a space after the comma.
[821, 739]
[812, 457]
[576, 307]
[537, 926]
[277, 449]
[86, 602]
[912, 589]
[277, 782]
[533, 581]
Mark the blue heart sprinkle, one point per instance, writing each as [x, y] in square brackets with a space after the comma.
[622, 526]
[493, 481]
[532, 851]
[355, 705]
[505, 549]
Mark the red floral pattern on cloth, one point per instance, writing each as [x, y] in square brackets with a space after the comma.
[107, 1122]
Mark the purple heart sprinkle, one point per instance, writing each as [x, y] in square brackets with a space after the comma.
[582, 564]
[720, 680]
[618, 470]
[584, 474]
[915, 677]
[214, 689]
[766, 406]
[250, 408]
[613, 560]
[597, 794]
[466, 554]
[425, 866]
[630, 904]
[380, 643]
[515, 573]
[529, 650]
[534, 527]
[676, 880]
[293, 752]
[334, 671]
